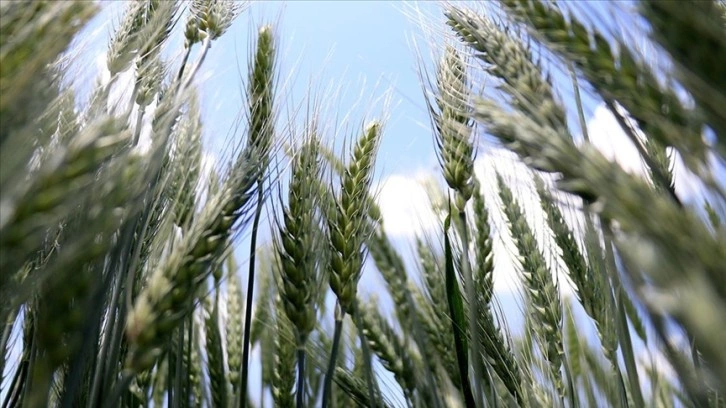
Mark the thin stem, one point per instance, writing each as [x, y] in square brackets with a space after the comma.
[184, 63]
[626, 345]
[120, 387]
[578, 103]
[590, 220]
[571, 386]
[300, 387]
[250, 292]
[188, 352]
[137, 129]
[179, 351]
[15, 389]
[206, 44]
[105, 341]
[9, 323]
[328, 385]
[41, 379]
[373, 395]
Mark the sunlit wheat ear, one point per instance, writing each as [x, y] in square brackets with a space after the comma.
[155, 26]
[261, 119]
[298, 249]
[40, 32]
[173, 285]
[124, 44]
[210, 18]
[591, 281]
[185, 155]
[348, 228]
[620, 194]
[453, 127]
[495, 349]
[374, 211]
[261, 94]
[540, 286]
[207, 21]
[510, 60]
[620, 199]
[533, 95]
[617, 76]
[298, 241]
[148, 81]
[455, 149]
[54, 191]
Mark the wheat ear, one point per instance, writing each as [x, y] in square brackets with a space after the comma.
[347, 230]
[299, 252]
[510, 60]
[261, 139]
[540, 285]
[616, 79]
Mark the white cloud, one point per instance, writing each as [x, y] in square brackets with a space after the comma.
[405, 206]
[406, 210]
[605, 133]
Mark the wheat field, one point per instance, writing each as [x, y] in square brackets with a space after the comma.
[123, 281]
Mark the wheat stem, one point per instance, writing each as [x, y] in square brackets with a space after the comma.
[368, 369]
[300, 390]
[206, 44]
[328, 384]
[248, 304]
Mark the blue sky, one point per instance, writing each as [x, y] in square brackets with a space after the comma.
[352, 46]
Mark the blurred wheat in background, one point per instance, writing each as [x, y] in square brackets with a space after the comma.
[123, 282]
